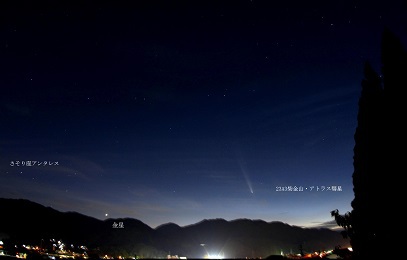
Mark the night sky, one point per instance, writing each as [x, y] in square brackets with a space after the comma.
[170, 111]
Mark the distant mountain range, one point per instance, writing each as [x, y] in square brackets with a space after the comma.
[29, 222]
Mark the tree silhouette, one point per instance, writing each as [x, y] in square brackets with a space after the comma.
[375, 161]
[344, 221]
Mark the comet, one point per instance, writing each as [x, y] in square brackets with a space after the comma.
[246, 177]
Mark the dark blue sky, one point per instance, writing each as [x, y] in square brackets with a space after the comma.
[186, 110]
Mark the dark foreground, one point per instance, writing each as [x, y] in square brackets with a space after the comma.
[44, 257]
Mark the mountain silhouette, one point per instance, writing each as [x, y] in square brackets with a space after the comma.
[24, 221]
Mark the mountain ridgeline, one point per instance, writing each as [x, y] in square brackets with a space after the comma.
[27, 222]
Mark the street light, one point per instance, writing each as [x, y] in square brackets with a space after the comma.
[206, 251]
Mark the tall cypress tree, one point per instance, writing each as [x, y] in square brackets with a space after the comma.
[377, 163]
[394, 70]
[368, 165]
